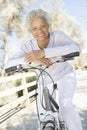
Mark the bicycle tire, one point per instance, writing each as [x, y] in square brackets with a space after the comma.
[49, 128]
[43, 127]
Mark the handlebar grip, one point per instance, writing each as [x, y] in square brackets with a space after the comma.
[14, 68]
[68, 56]
[65, 57]
[11, 69]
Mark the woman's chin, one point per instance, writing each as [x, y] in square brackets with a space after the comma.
[41, 39]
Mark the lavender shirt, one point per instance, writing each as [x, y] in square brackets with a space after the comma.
[59, 44]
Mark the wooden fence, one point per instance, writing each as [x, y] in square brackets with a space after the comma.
[10, 91]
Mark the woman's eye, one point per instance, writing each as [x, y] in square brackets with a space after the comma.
[34, 28]
[44, 26]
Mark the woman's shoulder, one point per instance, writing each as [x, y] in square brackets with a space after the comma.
[30, 40]
[29, 44]
[57, 32]
[62, 35]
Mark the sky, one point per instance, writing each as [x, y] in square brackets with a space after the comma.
[75, 8]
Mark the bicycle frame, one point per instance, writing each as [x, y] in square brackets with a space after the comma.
[50, 115]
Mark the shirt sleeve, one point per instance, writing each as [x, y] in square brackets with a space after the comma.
[23, 50]
[63, 45]
[18, 58]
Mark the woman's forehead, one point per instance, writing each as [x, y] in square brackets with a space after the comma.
[38, 20]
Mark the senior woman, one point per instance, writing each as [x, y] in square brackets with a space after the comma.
[40, 49]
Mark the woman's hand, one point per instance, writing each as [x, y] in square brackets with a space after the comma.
[43, 61]
[34, 55]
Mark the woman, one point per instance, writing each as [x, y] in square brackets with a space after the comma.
[41, 48]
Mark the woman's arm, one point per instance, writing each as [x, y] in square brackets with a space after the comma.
[18, 58]
[63, 45]
[61, 50]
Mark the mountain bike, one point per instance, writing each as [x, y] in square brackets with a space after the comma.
[49, 116]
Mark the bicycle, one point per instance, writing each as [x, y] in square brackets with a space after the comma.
[50, 118]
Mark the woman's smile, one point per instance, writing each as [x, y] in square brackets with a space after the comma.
[39, 29]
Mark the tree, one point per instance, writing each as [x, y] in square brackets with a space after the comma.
[11, 19]
[4, 50]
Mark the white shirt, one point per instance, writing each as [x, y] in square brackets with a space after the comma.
[59, 44]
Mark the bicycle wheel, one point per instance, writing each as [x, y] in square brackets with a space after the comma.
[42, 127]
[49, 128]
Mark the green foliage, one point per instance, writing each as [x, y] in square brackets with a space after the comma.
[18, 83]
[31, 79]
[28, 80]
[32, 88]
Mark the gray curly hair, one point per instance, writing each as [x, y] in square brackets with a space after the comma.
[38, 13]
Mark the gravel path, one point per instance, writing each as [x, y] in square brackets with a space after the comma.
[25, 119]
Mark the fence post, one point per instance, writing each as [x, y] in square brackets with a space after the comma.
[25, 92]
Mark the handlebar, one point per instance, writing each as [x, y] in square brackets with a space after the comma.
[71, 55]
[22, 68]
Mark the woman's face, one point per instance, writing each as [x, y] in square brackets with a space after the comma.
[39, 29]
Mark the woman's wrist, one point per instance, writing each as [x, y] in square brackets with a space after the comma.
[43, 53]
